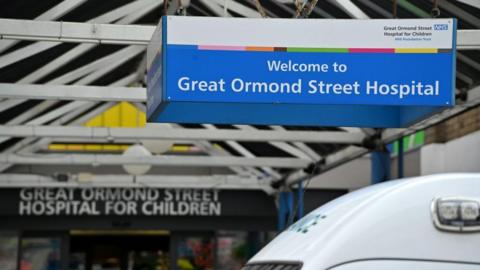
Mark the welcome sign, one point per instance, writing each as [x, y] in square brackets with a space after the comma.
[379, 73]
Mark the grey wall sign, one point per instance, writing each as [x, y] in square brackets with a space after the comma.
[64, 208]
[118, 202]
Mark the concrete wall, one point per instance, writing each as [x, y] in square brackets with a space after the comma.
[459, 155]
[411, 164]
[357, 173]
[352, 175]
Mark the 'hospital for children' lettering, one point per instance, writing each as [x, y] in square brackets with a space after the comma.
[118, 201]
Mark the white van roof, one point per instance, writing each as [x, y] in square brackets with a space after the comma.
[386, 221]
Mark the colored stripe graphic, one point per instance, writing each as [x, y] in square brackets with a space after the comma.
[260, 49]
[413, 50]
[370, 50]
[221, 48]
[320, 50]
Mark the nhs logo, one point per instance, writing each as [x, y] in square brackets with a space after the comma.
[440, 27]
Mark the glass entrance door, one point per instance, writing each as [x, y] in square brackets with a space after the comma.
[193, 251]
[42, 251]
[9, 250]
[119, 250]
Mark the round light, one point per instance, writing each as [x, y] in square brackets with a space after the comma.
[158, 146]
[469, 210]
[137, 151]
[448, 210]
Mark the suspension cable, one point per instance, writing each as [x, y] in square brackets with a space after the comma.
[304, 11]
[435, 13]
[394, 9]
[260, 9]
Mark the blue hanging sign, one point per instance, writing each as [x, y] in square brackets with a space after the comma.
[376, 73]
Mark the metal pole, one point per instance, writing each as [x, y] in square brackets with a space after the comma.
[281, 215]
[300, 198]
[285, 209]
[380, 166]
[400, 158]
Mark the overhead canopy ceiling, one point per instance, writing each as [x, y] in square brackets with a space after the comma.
[70, 63]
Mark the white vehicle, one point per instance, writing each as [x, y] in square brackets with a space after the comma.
[424, 223]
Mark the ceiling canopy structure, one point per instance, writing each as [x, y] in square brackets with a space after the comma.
[72, 96]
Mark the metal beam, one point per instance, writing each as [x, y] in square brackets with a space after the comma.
[129, 15]
[301, 146]
[66, 118]
[466, 39]
[465, 78]
[139, 13]
[469, 61]
[47, 117]
[9, 103]
[215, 8]
[72, 92]
[31, 113]
[32, 130]
[108, 17]
[57, 63]
[323, 13]
[27, 141]
[25, 146]
[287, 148]
[238, 8]
[53, 13]
[59, 121]
[350, 8]
[25, 52]
[127, 10]
[74, 32]
[214, 150]
[460, 13]
[376, 8]
[103, 64]
[246, 153]
[413, 9]
[159, 160]
[473, 3]
[153, 181]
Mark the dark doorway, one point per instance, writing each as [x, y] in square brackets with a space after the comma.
[123, 250]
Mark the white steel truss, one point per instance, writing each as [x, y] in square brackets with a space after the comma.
[253, 135]
[120, 34]
[152, 181]
[72, 92]
[100, 30]
[159, 160]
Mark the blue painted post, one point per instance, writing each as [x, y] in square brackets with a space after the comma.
[400, 158]
[300, 199]
[285, 209]
[380, 166]
[280, 213]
